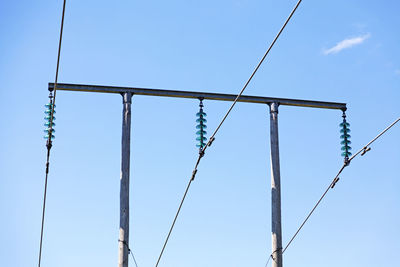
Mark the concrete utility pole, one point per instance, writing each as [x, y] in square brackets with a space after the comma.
[124, 189]
[275, 188]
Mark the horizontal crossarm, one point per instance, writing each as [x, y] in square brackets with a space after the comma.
[197, 95]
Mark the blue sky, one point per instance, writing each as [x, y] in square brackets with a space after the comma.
[344, 51]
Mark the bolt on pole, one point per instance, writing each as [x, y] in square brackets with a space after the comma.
[275, 189]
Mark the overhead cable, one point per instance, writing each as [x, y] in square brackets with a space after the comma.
[50, 131]
[212, 138]
[251, 76]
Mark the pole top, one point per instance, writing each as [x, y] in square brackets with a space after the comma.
[274, 107]
[127, 97]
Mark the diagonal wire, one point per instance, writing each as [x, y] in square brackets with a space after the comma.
[49, 142]
[271, 257]
[130, 251]
[173, 223]
[336, 179]
[332, 184]
[201, 153]
[251, 76]
[134, 260]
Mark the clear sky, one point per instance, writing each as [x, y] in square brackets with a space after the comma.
[344, 51]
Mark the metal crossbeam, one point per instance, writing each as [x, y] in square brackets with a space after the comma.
[191, 94]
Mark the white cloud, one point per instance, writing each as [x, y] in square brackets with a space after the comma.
[347, 43]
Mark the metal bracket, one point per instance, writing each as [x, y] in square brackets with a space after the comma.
[365, 150]
[194, 174]
[201, 153]
[335, 181]
[211, 141]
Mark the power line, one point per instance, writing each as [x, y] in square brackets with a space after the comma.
[133, 257]
[331, 185]
[271, 257]
[251, 76]
[130, 252]
[212, 138]
[49, 141]
[363, 150]
[176, 217]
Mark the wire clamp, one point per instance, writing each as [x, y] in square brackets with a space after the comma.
[49, 144]
[334, 182]
[126, 244]
[194, 174]
[211, 141]
[201, 153]
[365, 150]
[276, 251]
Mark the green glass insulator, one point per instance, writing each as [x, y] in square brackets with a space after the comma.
[201, 138]
[344, 154]
[201, 113]
[201, 126]
[344, 148]
[345, 123]
[201, 119]
[200, 144]
[47, 124]
[345, 142]
[47, 137]
[48, 105]
[347, 130]
[48, 111]
[48, 130]
[200, 131]
[48, 118]
[347, 136]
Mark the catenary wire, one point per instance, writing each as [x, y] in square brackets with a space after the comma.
[202, 151]
[49, 141]
[332, 184]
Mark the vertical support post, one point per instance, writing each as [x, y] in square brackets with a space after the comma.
[275, 189]
[124, 188]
